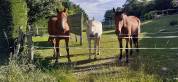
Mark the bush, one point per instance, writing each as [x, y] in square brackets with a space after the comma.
[173, 22]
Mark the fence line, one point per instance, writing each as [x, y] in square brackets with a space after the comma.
[161, 32]
[158, 37]
[58, 36]
[166, 37]
[40, 47]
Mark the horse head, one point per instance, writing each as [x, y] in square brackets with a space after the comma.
[61, 19]
[119, 16]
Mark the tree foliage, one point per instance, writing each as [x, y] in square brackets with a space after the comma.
[19, 16]
[141, 8]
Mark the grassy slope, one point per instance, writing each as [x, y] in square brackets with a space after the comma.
[146, 66]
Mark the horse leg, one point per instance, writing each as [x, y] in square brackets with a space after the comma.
[137, 45]
[131, 51]
[120, 44]
[127, 56]
[89, 46]
[67, 49]
[135, 40]
[54, 46]
[57, 50]
[98, 46]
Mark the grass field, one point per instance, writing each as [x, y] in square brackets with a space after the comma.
[147, 66]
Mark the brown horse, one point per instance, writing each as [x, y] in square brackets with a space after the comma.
[127, 27]
[58, 29]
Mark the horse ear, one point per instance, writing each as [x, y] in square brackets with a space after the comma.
[123, 15]
[57, 10]
[114, 10]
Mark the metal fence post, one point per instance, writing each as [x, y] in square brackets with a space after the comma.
[81, 39]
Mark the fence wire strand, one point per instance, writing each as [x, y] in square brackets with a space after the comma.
[40, 47]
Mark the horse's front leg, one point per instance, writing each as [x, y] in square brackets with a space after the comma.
[54, 47]
[98, 46]
[67, 49]
[57, 50]
[120, 44]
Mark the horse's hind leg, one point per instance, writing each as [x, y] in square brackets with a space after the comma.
[131, 51]
[67, 49]
[135, 40]
[127, 56]
[120, 44]
[137, 45]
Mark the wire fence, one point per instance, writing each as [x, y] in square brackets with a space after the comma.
[41, 47]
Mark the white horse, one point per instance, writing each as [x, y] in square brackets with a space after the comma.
[94, 32]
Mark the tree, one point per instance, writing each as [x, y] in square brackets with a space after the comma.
[38, 9]
[108, 17]
[163, 4]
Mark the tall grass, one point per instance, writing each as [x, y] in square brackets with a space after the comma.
[19, 72]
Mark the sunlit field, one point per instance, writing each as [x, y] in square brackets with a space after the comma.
[150, 65]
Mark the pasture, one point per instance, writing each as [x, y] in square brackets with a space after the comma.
[150, 65]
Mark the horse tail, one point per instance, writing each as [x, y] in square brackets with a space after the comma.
[139, 26]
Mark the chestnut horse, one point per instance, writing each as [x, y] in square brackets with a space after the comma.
[127, 27]
[58, 29]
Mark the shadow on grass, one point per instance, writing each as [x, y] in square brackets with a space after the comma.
[47, 44]
[46, 63]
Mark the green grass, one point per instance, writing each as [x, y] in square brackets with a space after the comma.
[147, 66]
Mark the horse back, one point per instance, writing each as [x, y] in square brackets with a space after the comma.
[94, 28]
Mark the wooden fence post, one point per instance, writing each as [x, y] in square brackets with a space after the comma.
[81, 39]
[30, 43]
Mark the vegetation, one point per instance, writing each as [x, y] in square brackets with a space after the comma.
[15, 72]
[19, 16]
